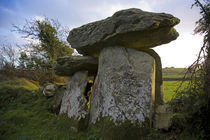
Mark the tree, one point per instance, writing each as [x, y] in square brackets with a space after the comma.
[46, 43]
[194, 101]
[203, 27]
[8, 60]
[8, 56]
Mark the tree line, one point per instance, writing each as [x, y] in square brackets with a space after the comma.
[46, 41]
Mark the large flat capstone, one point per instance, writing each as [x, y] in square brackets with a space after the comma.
[68, 65]
[131, 28]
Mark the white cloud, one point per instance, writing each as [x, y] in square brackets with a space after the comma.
[40, 18]
[181, 52]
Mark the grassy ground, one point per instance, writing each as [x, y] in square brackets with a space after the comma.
[27, 114]
[172, 78]
[170, 87]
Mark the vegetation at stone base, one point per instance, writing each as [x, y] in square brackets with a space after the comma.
[124, 131]
[27, 114]
[191, 113]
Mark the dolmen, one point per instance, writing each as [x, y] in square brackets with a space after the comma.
[127, 73]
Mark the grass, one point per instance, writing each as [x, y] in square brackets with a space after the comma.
[172, 79]
[175, 71]
[27, 114]
[170, 87]
[20, 83]
[173, 74]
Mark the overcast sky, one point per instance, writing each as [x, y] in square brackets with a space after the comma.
[74, 13]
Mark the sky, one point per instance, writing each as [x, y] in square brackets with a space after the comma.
[73, 13]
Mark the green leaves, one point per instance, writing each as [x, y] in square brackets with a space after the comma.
[46, 43]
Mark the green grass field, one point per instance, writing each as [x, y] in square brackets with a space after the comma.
[172, 74]
[170, 87]
[172, 79]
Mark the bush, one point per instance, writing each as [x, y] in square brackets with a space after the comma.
[191, 117]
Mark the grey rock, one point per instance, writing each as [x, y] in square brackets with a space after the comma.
[58, 98]
[67, 66]
[163, 115]
[131, 28]
[159, 94]
[123, 87]
[74, 103]
[49, 90]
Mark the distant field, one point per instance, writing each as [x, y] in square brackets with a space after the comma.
[173, 74]
[172, 78]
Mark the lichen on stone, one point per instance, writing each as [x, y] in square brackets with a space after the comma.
[122, 91]
[74, 103]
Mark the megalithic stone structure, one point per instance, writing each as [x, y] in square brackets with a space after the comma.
[127, 89]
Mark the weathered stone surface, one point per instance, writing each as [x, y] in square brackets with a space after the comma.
[159, 95]
[67, 66]
[123, 87]
[74, 103]
[162, 117]
[58, 98]
[49, 90]
[132, 28]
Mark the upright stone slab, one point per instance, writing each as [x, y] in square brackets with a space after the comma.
[74, 103]
[162, 119]
[122, 92]
[159, 95]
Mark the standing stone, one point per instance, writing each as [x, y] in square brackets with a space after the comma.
[74, 103]
[121, 97]
[159, 95]
[58, 98]
[162, 119]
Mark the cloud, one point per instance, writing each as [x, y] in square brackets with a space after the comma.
[39, 18]
[181, 52]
